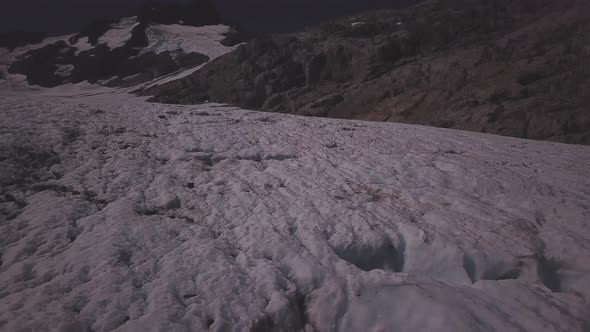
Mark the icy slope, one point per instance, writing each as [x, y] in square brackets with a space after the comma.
[128, 216]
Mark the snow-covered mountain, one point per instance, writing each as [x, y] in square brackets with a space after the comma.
[123, 53]
[122, 215]
[509, 67]
[118, 214]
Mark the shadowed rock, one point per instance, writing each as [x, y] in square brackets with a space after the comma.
[515, 68]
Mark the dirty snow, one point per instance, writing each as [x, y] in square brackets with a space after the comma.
[120, 215]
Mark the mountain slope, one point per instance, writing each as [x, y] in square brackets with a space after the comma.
[515, 68]
[121, 215]
[161, 41]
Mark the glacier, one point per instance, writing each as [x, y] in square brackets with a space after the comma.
[122, 215]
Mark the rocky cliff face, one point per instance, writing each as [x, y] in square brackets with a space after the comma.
[516, 68]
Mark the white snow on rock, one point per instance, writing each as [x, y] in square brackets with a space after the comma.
[82, 45]
[205, 40]
[120, 215]
[172, 76]
[119, 32]
[175, 38]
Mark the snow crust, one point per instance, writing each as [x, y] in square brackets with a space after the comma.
[205, 40]
[193, 218]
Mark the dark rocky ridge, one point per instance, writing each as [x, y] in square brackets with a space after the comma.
[122, 66]
[516, 68]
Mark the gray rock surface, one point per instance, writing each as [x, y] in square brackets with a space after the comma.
[515, 68]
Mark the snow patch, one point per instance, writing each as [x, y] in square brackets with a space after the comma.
[128, 215]
[119, 33]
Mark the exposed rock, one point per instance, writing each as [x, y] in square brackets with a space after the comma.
[124, 65]
[328, 101]
[41, 65]
[237, 35]
[93, 31]
[516, 68]
[220, 219]
[120, 52]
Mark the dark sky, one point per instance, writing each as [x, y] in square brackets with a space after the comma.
[61, 16]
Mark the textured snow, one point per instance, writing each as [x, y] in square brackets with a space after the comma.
[205, 40]
[141, 216]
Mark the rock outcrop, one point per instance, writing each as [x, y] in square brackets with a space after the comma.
[516, 68]
[59, 63]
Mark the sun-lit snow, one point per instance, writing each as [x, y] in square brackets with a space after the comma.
[7, 57]
[205, 40]
[139, 216]
[119, 32]
[82, 45]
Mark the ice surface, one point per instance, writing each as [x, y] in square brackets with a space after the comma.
[120, 215]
